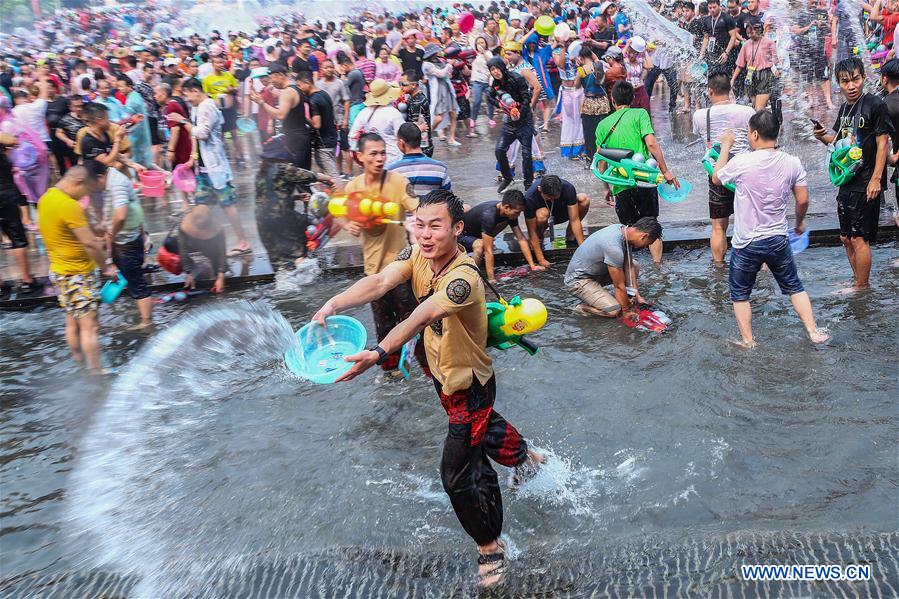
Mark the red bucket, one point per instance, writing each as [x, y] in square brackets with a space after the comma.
[153, 183]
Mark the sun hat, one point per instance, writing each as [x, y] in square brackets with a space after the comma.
[431, 50]
[512, 46]
[613, 52]
[605, 6]
[381, 93]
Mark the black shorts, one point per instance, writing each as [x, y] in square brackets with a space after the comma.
[762, 83]
[633, 204]
[467, 241]
[229, 118]
[129, 259]
[814, 66]
[858, 216]
[344, 140]
[11, 219]
[155, 139]
[721, 201]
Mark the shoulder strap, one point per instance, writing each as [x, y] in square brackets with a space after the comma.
[708, 125]
[602, 144]
[483, 278]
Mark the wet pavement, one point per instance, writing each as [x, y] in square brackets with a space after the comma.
[473, 173]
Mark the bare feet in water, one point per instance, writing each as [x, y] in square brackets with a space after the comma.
[818, 336]
[491, 564]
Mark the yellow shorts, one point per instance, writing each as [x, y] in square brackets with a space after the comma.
[78, 294]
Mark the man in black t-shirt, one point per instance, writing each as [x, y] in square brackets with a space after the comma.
[410, 54]
[322, 115]
[487, 220]
[719, 42]
[889, 80]
[864, 120]
[550, 201]
[752, 14]
[810, 31]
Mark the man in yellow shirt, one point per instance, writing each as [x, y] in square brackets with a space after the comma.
[453, 314]
[75, 253]
[382, 243]
[222, 86]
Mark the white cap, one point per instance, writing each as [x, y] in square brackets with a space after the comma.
[638, 44]
[514, 14]
[171, 62]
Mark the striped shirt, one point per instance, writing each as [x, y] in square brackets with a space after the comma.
[424, 173]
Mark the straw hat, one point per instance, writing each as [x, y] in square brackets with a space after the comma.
[381, 93]
[512, 46]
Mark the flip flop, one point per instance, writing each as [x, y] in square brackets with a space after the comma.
[234, 252]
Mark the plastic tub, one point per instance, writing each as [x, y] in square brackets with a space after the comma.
[673, 196]
[153, 183]
[321, 353]
[184, 179]
[112, 289]
[246, 124]
[798, 243]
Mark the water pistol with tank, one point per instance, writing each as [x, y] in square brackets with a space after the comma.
[365, 211]
[508, 105]
[845, 161]
[508, 322]
[625, 168]
[709, 160]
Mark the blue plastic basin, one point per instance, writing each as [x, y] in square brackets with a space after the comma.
[321, 353]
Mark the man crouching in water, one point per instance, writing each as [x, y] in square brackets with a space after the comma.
[452, 312]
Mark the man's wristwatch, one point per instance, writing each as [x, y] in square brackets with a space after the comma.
[382, 355]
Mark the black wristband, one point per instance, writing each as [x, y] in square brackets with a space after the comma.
[382, 355]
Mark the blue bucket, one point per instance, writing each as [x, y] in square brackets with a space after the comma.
[246, 124]
[321, 353]
[672, 195]
[798, 243]
[112, 289]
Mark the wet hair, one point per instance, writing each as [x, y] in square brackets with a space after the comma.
[367, 139]
[551, 185]
[444, 196]
[650, 226]
[304, 75]
[850, 65]
[410, 134]
[890, 70]
[94, 112]
[710, 2]
[765, 124]
[192, 84]
[719, 83]
[131, 61]
[622, 93]
[689, 5]
[585, 52]
[514, 199]
[277, 69]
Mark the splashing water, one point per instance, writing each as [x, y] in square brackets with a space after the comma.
[294, 280]
[142, 491]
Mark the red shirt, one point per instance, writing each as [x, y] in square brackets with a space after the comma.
[184, 145]
[890, 20]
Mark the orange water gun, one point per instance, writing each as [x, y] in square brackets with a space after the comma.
[365, 211]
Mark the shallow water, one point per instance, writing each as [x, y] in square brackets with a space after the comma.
[205, 455]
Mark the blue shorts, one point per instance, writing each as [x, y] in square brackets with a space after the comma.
[746, 262]
[467, 241]
[210, 196]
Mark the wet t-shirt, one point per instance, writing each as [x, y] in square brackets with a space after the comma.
[381, 243]
[486, 219]
[718, 30]
[533, 201]
[862, 123]
[814, 38]
[456, 345]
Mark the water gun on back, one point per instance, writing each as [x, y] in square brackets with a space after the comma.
[364, 211]
[508, 322]
[626, 169]
[845, 161]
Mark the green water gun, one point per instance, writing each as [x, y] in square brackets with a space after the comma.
[709, 160]
[509, 322]
[624, 168]
[845, 161]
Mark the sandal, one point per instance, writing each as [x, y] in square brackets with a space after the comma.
[28, 288]
[489, 576]
[236, 251]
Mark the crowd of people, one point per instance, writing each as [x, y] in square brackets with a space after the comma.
[99, 98]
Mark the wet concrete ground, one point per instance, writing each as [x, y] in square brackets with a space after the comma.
[472, 169]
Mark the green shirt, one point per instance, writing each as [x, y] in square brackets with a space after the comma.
[632, 125]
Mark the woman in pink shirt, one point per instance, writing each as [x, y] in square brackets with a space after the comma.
[385, 68]
[757, 62]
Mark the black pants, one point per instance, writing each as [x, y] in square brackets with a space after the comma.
[523, 133]
[64, 155]
[589, 122]
[670, 75]
[476, 434]
[391, 309]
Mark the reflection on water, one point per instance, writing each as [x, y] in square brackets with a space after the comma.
[207, 460]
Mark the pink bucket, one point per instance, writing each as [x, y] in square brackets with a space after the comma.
[153, 183]
[184, 179]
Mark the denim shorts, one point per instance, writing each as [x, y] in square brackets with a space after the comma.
[210, 196]
[746, 262]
